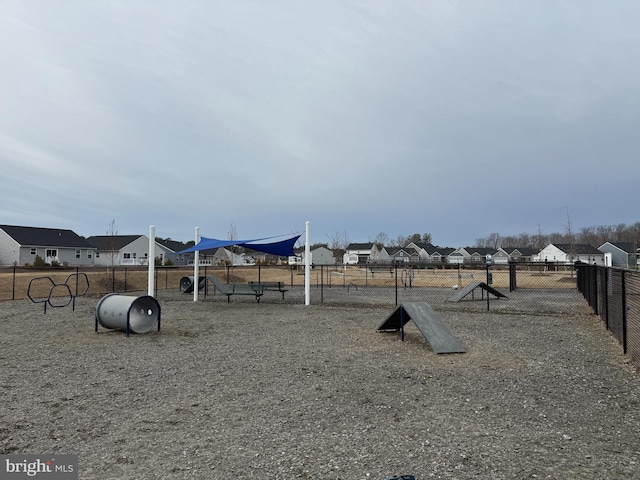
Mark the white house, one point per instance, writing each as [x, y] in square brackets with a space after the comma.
[457, 256]
[569, 253]
[120, 250]
[20, 246]
[360, 253]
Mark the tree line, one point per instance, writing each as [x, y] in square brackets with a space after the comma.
[594, 236]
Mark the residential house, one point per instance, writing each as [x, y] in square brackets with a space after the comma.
[360, 253]
[20, 246]
[120, 250]
[322, 256]
[397, 255]
[505, 255]
[428, 253]
[174, 246]
[440, 255]
[620, 254]
[319, 256]
[471, 255]
[424, 250]
[479, 255]
[224, 256]
[568, 253]
[457, 256]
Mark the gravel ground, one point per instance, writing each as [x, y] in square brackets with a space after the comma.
[279, 390]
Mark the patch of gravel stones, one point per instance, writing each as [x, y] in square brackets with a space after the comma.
[280, 390]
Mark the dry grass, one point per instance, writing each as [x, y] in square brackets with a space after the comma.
[102, 280]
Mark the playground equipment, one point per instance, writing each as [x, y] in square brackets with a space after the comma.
[128, 313]
[469, 289]
[186, 284]
[428, 322]
[59, 293]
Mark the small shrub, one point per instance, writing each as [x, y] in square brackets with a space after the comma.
[38, 262]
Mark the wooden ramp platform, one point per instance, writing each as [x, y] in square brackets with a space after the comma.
[428, 322]
[471, 287]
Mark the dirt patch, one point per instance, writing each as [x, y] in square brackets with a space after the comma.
[284, 391]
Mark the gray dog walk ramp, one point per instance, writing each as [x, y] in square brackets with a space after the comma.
[428, 322]
[471, 287]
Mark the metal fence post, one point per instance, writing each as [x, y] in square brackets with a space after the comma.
[396, 268]
[624, 312]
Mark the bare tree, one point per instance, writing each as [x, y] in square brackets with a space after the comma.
[337, 240]
[402, 241]
[232, 235]
[494, 241]
[113, 247]
[381, 239]
[113, 250]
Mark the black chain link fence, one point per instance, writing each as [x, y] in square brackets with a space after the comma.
[614, 295]
[537, 288]
[527, 288]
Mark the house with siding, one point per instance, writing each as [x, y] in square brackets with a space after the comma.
[173, 246]
[568, 253]
[319, 256]
[621, 254]
[322, 256]
[428, 253]
[397, 255]
[506, 255]
[20, 246]
[126, 250]
[423, 250]
[360, 253]
[478, 255]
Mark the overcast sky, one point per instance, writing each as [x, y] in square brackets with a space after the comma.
[456, 118]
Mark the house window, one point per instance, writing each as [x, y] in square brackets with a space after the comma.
[135, 254]
[52, 252]
[78, 253]
[127, 256]
[90, 253]
[97, 254]
[34, 251]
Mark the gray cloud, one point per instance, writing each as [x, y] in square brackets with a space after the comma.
[454, 118]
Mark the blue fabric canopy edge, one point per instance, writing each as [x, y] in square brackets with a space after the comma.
[281, 248]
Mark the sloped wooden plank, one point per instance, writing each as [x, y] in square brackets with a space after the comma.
[428, 322]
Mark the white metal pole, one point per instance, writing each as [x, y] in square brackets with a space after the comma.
[196, 267]
[151, 260]
[307, 267]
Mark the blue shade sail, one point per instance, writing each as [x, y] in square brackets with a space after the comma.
[281, 248]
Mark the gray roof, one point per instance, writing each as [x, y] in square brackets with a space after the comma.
[360, 246]
[111, 242]
[526, 251]
[45, 237]
[173, 245]
[578, 248]
[628, 247]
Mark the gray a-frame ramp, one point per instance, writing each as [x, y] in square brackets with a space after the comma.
[428, 322]
[471, 287]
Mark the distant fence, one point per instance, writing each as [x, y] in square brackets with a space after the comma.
[396, 280]
[614, 295]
